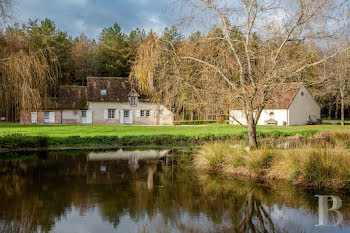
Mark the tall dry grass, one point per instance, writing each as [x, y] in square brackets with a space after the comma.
[304, 165]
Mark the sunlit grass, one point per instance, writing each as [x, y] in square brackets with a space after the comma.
[325, 165]
[120, 131]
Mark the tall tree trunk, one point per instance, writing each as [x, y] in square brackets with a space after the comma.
[253, 143]
[342, 96]
[336, 108]
[183, 113]
[330, 109]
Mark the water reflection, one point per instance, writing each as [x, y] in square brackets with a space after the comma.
[145, 191]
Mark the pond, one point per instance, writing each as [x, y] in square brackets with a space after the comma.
[137, 190]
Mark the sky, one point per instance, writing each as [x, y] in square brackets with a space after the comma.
[91, 16]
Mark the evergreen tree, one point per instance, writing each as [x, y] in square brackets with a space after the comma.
[113, 53]
[46, 37]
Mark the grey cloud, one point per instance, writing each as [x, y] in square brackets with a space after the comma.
[90, 16]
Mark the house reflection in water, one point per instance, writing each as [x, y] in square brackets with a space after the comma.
[127, 155]
[133, 163]
[150, 172]
[103, 168]
[107, 163]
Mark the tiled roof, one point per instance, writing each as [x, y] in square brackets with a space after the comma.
[283, 96]
[76, 97]
[72, 97]
[117, 89]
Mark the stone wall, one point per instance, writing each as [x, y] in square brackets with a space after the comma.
[26, 117]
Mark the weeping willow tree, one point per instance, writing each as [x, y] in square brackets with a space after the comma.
[177, 83]
[25, 77]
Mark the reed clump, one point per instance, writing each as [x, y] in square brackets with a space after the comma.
[336, 138]
[305, 165]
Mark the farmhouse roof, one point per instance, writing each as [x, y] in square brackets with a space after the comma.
[283, 95]
[72, 97]
[49, 104]
[117, 89]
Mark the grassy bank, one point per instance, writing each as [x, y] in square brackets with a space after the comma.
[323, 165]
[24, 136]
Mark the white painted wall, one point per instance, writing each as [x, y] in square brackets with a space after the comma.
[69, 117]
[302, 107]
[160, 116]
[280, 115]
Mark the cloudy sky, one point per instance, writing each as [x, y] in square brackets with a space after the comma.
[90, 16]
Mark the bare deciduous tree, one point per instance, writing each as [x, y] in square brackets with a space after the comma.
[5, 8]
[263, 44]
[336, 81]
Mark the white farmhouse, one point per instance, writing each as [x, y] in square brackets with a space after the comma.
[104, 101]
[291, 104]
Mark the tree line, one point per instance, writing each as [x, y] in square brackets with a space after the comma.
[37, 57]
[77, 58]
[239, 58]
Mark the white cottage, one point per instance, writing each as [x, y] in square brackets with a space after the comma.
[113, 101]
[291, 104]
[104, 101]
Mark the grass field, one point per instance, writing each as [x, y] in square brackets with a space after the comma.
[25, 136]
[121, 131]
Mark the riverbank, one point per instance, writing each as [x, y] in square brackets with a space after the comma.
[69, 136]
[323, 164]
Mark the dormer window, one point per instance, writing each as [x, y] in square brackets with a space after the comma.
[103, 92]
[133, 101]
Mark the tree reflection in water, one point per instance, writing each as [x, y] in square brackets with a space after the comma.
[158, 194]
[254, 207]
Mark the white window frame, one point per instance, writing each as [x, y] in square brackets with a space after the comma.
[83, 113]
[111, 114]
[34, 117]
[46, 117]
[126, 114]
[103, 92]
[142, 113]
[148, 113]
[133, 101]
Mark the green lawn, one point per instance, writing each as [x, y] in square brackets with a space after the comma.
[120, 131]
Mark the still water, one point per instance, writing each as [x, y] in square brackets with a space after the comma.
[146, 191]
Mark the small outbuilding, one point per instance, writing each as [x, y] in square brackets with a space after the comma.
[290, 104]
